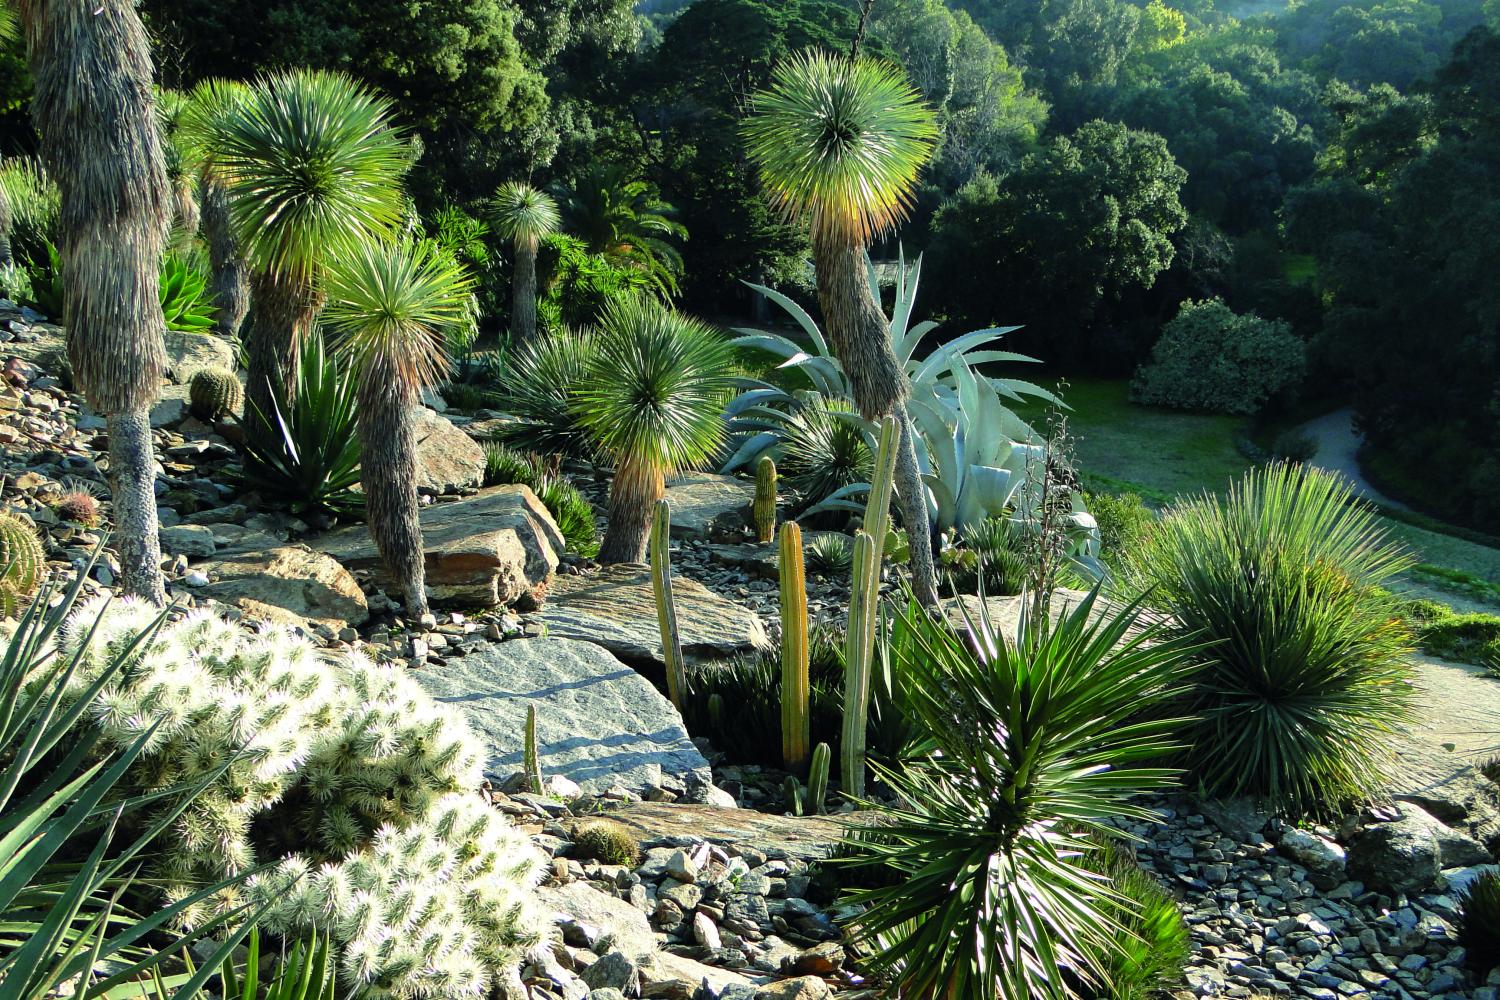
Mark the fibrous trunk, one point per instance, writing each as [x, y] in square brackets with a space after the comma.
[388, 447]
[231, 276]
[523, 295]
[859, 332]
[281, 314]
[636, 488]
[132, 475]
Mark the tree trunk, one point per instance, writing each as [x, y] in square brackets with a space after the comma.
[388, 447]
[231, 276]
[523, 296]
[632, 497]
[860, 335]
[281, 314]
[132, 476]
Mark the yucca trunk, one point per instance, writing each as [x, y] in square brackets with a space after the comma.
[282, 311]
[91, 63]
[231, 276]
[858, 330]
[523, 294]
[632, 497]
[7, 222]
[388, 463]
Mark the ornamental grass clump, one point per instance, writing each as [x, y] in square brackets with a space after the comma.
[1302, 686]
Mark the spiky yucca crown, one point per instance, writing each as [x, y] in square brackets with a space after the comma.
[356, 767]
[214, 393]
[23, 562]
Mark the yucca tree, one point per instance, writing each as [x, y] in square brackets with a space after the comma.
[91, 63]
[314, 167]
[391, 305]
[171, 112]
[838, 143]
[653, 403]
[525, 216]
[205, 111]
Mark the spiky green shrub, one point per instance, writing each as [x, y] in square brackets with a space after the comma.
[1304, 685]
[830, 555]
[992, 551]
[607, 841]
[1155, 945]
[538, 388]
[503, 465]
[823, 452]
[215, 393]
[1123, 521]
[347, 769]
[572, 512]
[186, 303]
[1479, 920]
[23, 562]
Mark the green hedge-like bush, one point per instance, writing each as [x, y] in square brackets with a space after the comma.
[1211, 358]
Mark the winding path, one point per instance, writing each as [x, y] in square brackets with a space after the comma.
[1338, 451]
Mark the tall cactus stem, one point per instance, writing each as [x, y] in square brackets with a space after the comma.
[666, 607]
[764, 509]
[533, 758]
[796, 722]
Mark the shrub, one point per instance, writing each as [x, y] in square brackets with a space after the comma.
[1468, 638]
[1030, 756]
[466, 397]
[992, 551]
[1156, 945]
[572, 512]
[1304, 685]
[186, 303]
[830, 555]
[15, 283]
[823, 452]
[1479, 920]
[607, 841]
[1123, 521]
[1294, 446]
[538, 388]
[504, 466]
[1210, 358]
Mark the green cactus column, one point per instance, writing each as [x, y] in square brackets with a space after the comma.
[666, 608]
[817, 780]
[533, 754]
[864, 612]
[796, 723]
[765, 501]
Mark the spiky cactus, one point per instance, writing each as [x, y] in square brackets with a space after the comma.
[533, 753]
[764, 509]
[23, 563]
[864, 606]
[817, 779]
[796, 723]
[214, 393]
[794, 794]
[607, 841]
[78, 507]
[666, 607]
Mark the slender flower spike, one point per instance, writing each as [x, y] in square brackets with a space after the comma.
[839, 143]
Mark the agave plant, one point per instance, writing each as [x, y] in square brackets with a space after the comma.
[1032, 744]
[185, 303]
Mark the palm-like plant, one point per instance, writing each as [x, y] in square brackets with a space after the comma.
[1033, 744]
[525, 216]
[314, 167]
[838, 143]
[620, 216]
[391, 305]
[100, 140]
[654, 404]
[206, 109]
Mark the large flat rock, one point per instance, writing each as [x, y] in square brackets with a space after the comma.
[286, 584]
[801, 838]
[616, 609]
[582, 903]
[448, 460]
[705, 505]
[598, 721]
[495, 548]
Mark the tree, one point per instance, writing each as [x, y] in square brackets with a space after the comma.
[525, 216]
[209, 105]
[621, 217]
[654, 404]
[391, 306]
[839, 144]
[102, 145]
[313, 167]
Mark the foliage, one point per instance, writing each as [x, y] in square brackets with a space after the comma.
[523, 215]
[35, 204]
[307, 455]
[1123, 519]
[1301, 693]
[621, 218]
[1034, 743]
[567, 505]
[821, 453]
[215, 393]
[830, 555]
[1209, 358]
[1479, 919]
[186, 303]
[1155, 946]
[607, 841]
[538, 387]
[1294, 446]
[577, 285]
[15, 283]
[504, 465]
[990, 555]
[1441, 631]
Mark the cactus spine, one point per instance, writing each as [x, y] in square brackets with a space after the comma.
[666, 608]
[214, 393]
[864, 606]
[765, 500]
[533, 762]
[817, 780]
[796, 725]
[23, 562]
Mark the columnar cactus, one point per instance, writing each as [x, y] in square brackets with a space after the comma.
[23, 563]
[533, 753]
[666, 607]
[817, 779]
[796, 724]
[214, 393]
[764, 508]
[864, 607]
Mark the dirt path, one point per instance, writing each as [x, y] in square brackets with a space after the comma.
[1338, 451]
[1458, 707]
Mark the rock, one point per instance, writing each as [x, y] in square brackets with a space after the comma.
[613, 918]
[664, 969]
[188, 353]
[171, 409]
[191, 540]
[616, 609]
[1317, 854]
[801, 988]
[1399, 856]
[681, 867]
[1241, 818]
[705, 505]
[1466, 801]
[599, 723]
[613, 971]
[762, 561]
[796, 838]
[289, 584]
[448, 460]
[705, 933]
[495, 548]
